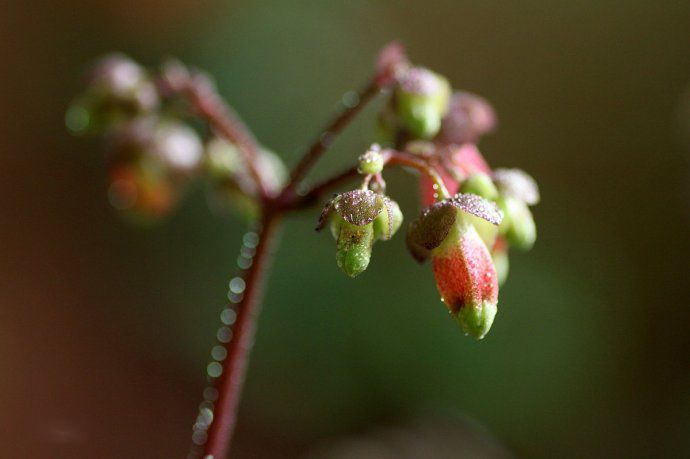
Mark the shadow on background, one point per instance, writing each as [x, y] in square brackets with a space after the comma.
[105, 329]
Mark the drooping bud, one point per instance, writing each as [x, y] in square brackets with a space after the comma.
[118, 89]
[231, 185]
[353, 220]
[518, 225]
[480, 184]
[458, 162]
[517, 191]
[469, 117]
[465, 274]
[517, 184]
[371, 162]
[150, 161]
[391, 64]
[178, 146]
[141, 189]
[387, 223]
[422, 101]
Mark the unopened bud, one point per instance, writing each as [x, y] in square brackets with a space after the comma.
[464, 272]
[353, 247]
[469, 116]
[481, 185]
[518, 225]
[371, 162]
[387, 223]
[357, 218]
[422, 101]
[118, 90]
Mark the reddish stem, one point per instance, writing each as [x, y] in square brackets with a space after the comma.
[210, 106]
[326, 138]
[229, 383]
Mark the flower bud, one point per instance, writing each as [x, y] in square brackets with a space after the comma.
[387, 223]
[518, 225]
[462, 160]
[462, 265]
[480, 184]
[391, 63]
[141, 189]
[469, 117]
[422, 101]
[231, 185]
[353, 246]
[371, 162]
[518, 184]
[118, 90]
[353, 220]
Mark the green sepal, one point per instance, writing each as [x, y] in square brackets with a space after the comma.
[518, 225]
[476, 320]
[353, 246]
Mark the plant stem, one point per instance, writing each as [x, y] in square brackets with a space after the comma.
[210, 106]
[229, 383]
[326, 138]
[401, 158]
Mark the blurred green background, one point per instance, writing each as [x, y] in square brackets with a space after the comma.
[105, 329]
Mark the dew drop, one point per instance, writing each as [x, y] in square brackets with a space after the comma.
[250, 239]
[350, 99]
[199, 437]
[224, 334]
[237, 285]
[214, 369]
[234, 297]
[219, 353]
[228, 316]
[244, 263]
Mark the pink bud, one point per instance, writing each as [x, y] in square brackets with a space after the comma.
[463, 160]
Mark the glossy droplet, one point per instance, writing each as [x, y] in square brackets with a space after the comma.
[250, 239]
[224, 334]
[237, 285]
[219, 353]
[214, 369]
[228, 316]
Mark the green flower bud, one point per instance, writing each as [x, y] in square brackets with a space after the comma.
[353, 247]
[231, 185]
[518, 224]
[476, 320]
[387, 223]
[422, 101]
[481, 185]
[371, 162]
[357, 218]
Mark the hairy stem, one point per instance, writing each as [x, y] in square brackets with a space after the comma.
[229, 383]
[326, 138]
[210, 106]
[400, 158]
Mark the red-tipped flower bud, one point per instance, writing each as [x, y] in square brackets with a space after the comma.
[465, 274]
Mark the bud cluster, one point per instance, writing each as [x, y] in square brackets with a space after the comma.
[467, 236]
[153, 154]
